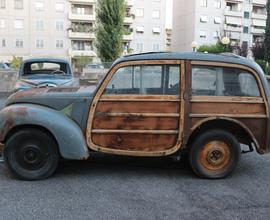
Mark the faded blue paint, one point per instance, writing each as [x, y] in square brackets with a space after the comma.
[68, 134]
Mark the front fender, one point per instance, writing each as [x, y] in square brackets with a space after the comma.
[67, 133]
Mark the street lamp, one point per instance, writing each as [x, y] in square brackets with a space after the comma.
[225, 41]
[194, 46]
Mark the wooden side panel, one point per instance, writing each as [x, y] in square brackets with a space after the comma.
[136, 142]
[135, 123]
[138, 107]
[228, 108]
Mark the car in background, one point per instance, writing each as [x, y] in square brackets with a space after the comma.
[45, 72]
[4, 66]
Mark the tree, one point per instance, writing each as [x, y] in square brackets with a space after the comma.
[267, 34]
[110, 28]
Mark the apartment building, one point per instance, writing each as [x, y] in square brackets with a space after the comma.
[206, 21]
[64, 28]
[149, 26]
[33, 28]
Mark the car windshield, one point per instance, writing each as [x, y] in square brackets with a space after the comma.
[38, 68]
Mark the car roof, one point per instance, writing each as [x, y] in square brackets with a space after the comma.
[53, 60]
[225, 57]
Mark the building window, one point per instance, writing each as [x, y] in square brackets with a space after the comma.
[156, 30]
[156, 47]
[246, 14]
[59, 25]
[139, 12]
[217, 20]
[245, 29]
[217, 4]
[203, 3]
[39, 43]
[156, 14]
[40, 24]
[59, 7]
[4, 43]
[139, 29]
[18, 4]
[202, 34]
[216, 34]
[139, 47]
[203, 19]
[18, 24]
[39, 5]
[59, 44]
[19, 43]
[2, 23]
[2, 3]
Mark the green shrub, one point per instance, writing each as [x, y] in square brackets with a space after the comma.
[264, 65]
[16, 62]
[213, 48]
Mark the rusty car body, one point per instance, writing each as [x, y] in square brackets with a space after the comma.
[149, 105]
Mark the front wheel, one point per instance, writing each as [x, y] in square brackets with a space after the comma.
[214, 154]
[31, 154]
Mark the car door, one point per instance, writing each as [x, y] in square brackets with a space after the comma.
[138, 109]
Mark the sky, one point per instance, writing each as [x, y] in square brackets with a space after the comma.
[169, 13]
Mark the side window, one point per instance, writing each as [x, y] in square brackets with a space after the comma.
[218, 81]
[122, 82]
[146, 80]
[204, 81]
[238, 82]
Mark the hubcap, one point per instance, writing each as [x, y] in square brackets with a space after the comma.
[31, 156]
[215, 155]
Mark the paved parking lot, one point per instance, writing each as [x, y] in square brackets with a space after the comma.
[110, 187]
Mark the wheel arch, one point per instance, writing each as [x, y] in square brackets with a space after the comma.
[235, 127]
[68, 135]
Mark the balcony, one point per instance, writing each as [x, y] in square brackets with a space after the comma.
[130, 3]
[128, 37]
[82, 17]
[259, 2]
[80, 35]
[128, 20]
[82, 53]
[86, 2]
[259, 16]
[255, 30]
[233, 13]
[232, 28]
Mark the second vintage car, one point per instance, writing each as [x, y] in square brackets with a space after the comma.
[148, 105]
[44, 72]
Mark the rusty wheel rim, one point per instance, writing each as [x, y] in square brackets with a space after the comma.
[215, 156]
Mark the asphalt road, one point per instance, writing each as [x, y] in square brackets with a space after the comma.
[110, 187]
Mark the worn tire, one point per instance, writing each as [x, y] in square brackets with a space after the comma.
[214, 154]
[31, 154]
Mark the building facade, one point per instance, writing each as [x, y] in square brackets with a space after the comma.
[33, 28]
[64, 28]
[206, 21]
[149, 26]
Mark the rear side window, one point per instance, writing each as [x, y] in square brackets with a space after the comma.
[146, 80]
[223, 81]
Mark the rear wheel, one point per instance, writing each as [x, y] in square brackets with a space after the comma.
[214, 154]
[31, 154]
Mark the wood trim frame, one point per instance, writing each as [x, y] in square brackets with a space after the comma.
[143, 115]
[250, 70]
[103, 86]
[249, 100]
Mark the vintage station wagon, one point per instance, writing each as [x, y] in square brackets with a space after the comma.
[148, 105]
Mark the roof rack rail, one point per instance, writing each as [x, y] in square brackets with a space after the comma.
[136, 54]
[230, 55]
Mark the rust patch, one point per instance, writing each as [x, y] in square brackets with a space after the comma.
[30, 92]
